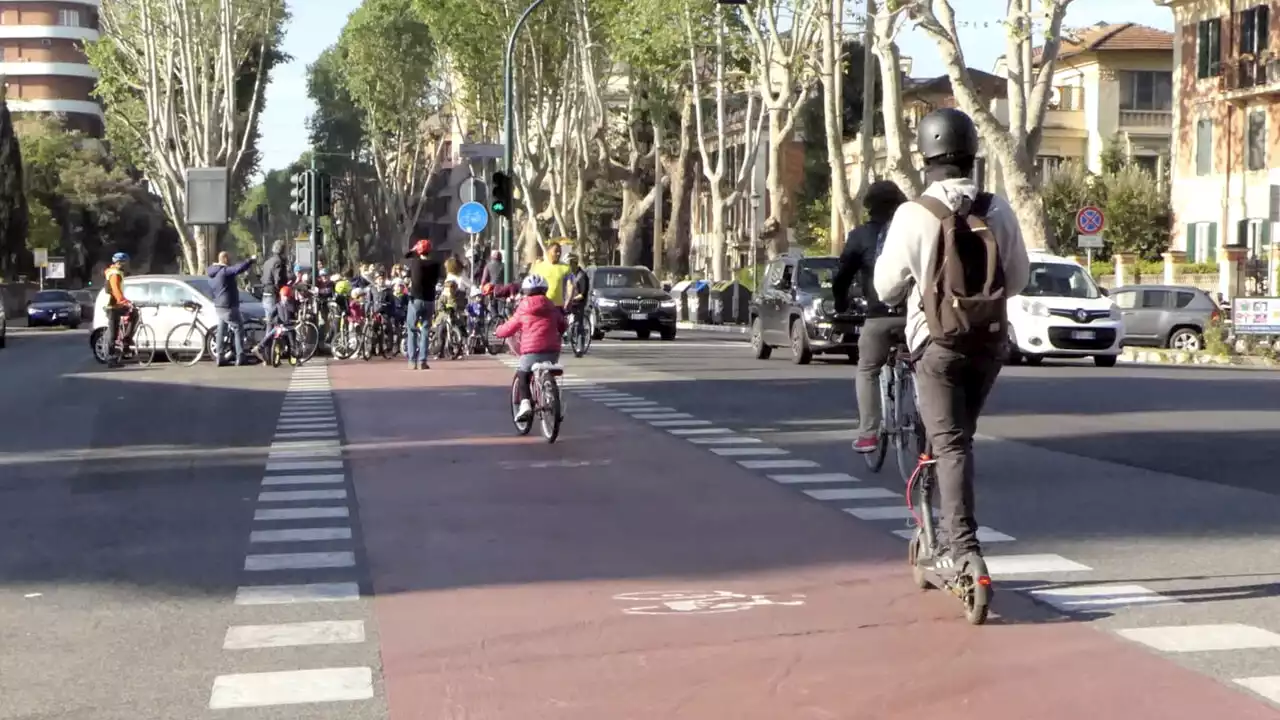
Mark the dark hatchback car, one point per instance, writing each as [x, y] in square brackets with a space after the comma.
[53, 308]
[630, 299]
[795, 308]
[1171, 316]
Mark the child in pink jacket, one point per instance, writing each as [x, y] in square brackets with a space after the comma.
[540, 324]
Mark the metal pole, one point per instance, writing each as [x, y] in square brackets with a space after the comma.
[508, 131]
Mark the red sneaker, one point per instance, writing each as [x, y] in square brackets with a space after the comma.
[866, 443]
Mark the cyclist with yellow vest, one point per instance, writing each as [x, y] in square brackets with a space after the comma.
[555, 273]
[118, 307]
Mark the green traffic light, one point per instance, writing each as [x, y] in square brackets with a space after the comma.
[499, 207]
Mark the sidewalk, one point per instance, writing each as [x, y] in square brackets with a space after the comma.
[627, 573]
[743, 330]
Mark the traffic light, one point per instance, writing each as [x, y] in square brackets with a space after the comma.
[324, 195]
[501, 204]
[301, 193]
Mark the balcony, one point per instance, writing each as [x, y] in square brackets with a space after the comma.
[47, 32]
[1146, 120]
[1247, 77]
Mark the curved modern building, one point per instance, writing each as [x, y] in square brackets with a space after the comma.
[42, 59]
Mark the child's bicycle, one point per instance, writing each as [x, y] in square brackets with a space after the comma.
[544, 395]
[283, 346]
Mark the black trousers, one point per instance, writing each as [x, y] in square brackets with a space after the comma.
[953, 388]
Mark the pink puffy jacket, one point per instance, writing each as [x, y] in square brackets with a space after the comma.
[540, 324]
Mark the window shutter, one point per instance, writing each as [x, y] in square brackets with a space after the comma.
[1264, 234]
[1215, 46]
[1262, 27]
[1191, 243]
[1202, 50]
[1211, 249]
[1242, 232]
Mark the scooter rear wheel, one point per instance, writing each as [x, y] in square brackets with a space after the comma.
[977, 594]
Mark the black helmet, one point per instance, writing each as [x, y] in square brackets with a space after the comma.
[947, 132]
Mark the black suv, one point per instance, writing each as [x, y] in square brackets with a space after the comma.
[795, 308]
[630, 299]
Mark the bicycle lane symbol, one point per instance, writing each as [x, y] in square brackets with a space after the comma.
[710, 602]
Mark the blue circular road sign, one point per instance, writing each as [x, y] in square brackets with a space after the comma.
[473, 217]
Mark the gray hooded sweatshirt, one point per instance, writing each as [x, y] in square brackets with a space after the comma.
[913, 236]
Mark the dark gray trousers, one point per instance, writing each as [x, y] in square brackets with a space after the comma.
[953, 387]
[878, 335]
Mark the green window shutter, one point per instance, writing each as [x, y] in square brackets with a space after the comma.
[1264, 239]
[1191, 242]
[1211, 253]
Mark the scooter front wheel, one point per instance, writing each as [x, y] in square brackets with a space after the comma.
[913, 556]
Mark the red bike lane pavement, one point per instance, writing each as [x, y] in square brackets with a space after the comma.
[497, 562]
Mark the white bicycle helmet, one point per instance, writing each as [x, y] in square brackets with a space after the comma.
[357, 293]
[533, 283]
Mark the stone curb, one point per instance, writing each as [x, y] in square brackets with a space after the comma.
[1200, 359]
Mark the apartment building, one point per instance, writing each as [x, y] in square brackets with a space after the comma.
[42, 59]
[1226, 193]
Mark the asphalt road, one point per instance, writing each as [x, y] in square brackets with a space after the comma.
[1137, 501]
[127, 499]
[1162, 480]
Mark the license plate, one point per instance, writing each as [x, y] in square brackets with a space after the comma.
[1083, 335]
[639, 316]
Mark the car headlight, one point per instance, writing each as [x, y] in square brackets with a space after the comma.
[828, 307]
[1035, 308]
[606, 302]
[668, 303]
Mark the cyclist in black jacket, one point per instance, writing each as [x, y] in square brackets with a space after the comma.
[884, 325]
[423, 276]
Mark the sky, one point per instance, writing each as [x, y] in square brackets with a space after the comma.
[315, 24]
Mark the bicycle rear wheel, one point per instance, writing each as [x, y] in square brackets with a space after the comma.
[144, 345]
[549, 408]
[909, 442]
[522, 426]
[185, 344]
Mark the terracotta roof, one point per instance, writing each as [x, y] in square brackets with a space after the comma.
[1110, 37]
[984, 82]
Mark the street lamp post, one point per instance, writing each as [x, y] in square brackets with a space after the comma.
[508, 131]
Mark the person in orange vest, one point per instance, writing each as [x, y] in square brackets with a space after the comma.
[119, 309]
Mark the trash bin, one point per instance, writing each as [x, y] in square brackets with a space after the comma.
[730, 301]
[677, 294]
[698, 297]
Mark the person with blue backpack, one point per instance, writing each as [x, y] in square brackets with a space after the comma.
[884, 325]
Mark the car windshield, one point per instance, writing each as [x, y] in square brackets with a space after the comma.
[52, 296]
[816, 273]
[626, 278]
[1060, 280]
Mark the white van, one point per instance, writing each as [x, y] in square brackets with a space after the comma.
[1063, 314]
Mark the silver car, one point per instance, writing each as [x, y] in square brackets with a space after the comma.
[1169, 316]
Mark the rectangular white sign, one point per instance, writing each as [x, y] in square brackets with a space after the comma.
[1093, 242]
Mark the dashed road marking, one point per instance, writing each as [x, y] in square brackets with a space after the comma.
[327, 632]
[777, 464]
[678, 423]
[296, 495]
[985, 535]
[299, 561]
[814, 478]
[303, 466]
[748, 451]
[304, 479]
[888, 512]
[1002, 565]
[293, 687]
[663, 416]
[1202, 638]
[300, 535]
[294, 594]
[1082, 598]
[700, 431]
[306, 513]
[725, 440]
[869, 493]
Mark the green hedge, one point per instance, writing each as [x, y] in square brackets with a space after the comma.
[1155, 268]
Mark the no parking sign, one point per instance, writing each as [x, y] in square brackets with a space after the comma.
[1090, 220]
